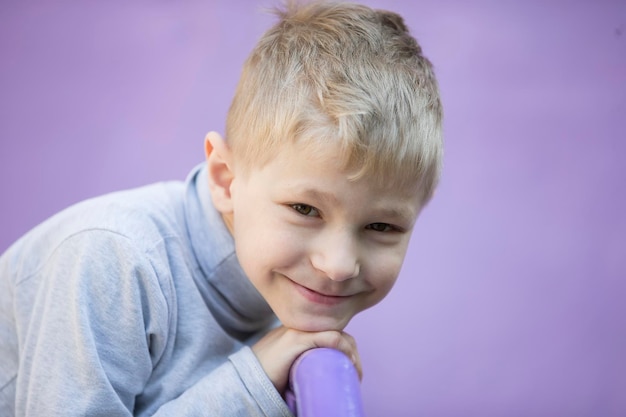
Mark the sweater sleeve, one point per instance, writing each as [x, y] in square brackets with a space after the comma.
[238, 387]
[96, 327]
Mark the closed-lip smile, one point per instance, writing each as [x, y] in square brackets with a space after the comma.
[318, 297]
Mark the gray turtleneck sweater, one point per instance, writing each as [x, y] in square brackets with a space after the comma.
[132, 303]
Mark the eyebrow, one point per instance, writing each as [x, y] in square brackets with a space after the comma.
[314, 194]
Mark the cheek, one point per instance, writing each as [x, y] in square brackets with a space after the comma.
[264, 247]
[385, 282]
[383, 273]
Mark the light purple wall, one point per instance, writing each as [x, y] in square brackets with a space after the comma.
[512, 301]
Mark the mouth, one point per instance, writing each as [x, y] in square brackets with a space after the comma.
[318, 297]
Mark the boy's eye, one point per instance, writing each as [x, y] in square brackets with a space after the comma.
[381, 227]
[305, 209]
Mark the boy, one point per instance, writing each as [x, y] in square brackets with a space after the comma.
[163, 300]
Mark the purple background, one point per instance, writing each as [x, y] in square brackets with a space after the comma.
[512, 301]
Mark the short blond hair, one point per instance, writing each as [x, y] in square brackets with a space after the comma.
[342, 74]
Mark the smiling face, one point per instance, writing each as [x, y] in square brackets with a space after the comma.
[318, 246]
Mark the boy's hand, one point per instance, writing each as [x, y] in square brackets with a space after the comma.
[278, 349]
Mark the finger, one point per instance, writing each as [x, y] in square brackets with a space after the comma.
[340, 341]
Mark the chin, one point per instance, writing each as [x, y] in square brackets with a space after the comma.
[316, 324]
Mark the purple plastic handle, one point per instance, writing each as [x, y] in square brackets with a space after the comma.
[324, 383]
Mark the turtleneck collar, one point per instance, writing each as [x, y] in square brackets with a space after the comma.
[234, 301]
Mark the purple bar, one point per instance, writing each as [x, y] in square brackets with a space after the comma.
[324, 383]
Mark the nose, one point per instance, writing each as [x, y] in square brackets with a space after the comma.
[337, 257]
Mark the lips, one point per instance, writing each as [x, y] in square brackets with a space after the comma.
[319, 298]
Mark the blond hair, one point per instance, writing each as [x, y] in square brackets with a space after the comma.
[347, 75]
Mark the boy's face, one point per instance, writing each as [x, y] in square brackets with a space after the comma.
[319, 247]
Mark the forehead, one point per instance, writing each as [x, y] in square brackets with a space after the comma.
[322, 175]
[330, 158]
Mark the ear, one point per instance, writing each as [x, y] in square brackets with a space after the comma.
[219, 163]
